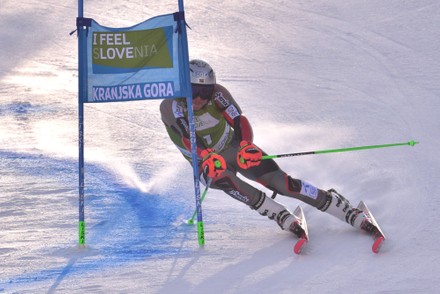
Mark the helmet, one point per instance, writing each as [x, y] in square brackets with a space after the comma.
[201, 73]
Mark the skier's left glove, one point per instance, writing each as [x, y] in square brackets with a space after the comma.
[248, 155]
[213, 164]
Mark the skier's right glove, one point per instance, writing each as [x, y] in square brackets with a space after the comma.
[213, 164]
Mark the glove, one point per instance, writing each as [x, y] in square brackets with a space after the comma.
[213, 165]
[248, 155]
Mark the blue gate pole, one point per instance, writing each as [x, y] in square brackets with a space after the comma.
[186, 79]
[82, 93]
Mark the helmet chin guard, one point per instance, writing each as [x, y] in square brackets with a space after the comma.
[201, 73]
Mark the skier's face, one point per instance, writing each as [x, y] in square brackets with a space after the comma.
[199, 103]
[201, 95]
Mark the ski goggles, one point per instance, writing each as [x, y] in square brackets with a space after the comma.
[202, 91]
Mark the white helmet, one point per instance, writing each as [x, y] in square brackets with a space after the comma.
[201, 73]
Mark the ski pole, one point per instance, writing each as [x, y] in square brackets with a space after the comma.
[410, 143]
[191, 220]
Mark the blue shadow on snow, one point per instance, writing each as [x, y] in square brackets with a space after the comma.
[123, 225]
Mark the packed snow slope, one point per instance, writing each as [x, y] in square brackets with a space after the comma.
[309, 75]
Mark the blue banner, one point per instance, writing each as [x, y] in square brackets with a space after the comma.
[135, 63]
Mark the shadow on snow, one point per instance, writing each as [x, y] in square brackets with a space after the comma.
[123, 224]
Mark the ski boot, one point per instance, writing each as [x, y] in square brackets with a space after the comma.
[338, 206]
[277, 212]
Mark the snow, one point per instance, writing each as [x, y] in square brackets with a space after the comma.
[309, 75]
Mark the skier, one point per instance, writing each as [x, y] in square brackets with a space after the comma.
[225, 147]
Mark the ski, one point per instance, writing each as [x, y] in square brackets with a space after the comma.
[373, 229]
[302, 241]
[299, 245]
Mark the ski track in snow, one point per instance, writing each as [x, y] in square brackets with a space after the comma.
[336, 74]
